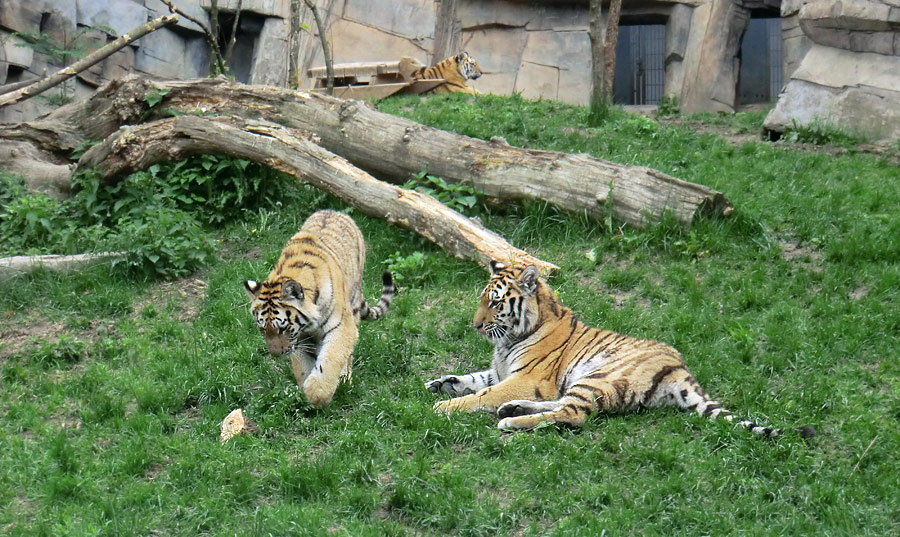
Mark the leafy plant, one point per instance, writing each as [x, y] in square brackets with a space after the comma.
[413, 269]
[30, 219]
[165, 242]
[459, 197]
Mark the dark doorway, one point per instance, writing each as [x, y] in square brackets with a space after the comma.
[240, 64]
[760, 77]
[640, 64]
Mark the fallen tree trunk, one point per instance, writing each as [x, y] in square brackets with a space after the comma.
[136, 148]
[10, 266]
[395, 147]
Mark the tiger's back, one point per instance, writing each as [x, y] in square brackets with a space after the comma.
[548, 366]
[312, 301]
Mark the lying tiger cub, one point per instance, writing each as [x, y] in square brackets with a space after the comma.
[550, 367]
[311, 303]
[456, 70]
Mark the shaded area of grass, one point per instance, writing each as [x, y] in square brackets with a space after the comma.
[786, 312]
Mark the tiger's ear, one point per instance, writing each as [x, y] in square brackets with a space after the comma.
[291, 290]
[496, 266]
[252, 288]
[528, 279]
[461, 57]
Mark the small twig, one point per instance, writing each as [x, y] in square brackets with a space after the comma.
[210, 38]
[861, 456]
[95, 57]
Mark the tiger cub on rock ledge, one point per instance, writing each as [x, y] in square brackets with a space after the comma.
[311, 303]
[550, 367]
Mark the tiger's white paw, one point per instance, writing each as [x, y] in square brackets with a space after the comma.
[318, 392]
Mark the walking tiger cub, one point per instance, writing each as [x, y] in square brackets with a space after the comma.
[311, 303]
[550, 367]
[456, 70]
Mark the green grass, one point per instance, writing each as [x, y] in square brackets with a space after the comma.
[787, 312]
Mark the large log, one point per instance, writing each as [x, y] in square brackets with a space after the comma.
[392, 147]
[291, 151]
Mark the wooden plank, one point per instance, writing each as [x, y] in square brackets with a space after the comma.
[378, 91]
[421, 86]
[357, 69]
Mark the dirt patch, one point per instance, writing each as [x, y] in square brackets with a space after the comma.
[859, 293]
[188, 293]
[20, 332]
[802, 254]
[619, 297]
[16, 339]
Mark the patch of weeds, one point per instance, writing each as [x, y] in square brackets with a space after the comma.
[668, 106]
[600, 111]
[64, 351]
[820, 132]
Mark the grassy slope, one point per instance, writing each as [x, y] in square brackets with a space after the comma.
[787, 312]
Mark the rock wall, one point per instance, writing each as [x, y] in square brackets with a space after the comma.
[850, 73]
[841, 55]
[172, 52]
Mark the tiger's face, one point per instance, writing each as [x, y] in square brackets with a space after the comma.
[278, 308]
[508, 306]
[468, 66]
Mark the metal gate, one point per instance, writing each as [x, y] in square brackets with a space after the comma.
[761, 64]
[640, 64]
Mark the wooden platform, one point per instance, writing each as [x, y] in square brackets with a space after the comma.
[369, 80]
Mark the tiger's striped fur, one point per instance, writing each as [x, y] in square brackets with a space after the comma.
[456, 70]
[311, 303]
[548, 366]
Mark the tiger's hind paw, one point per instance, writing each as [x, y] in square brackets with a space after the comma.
[519, 423]
[518, 407]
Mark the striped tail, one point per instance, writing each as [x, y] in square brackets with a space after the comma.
[712, 410]
[387, 294]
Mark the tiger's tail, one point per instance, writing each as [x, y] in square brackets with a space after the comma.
[384, 303]
[710, 408]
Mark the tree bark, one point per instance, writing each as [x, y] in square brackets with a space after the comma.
[446, 31]
[95, 57]
[293, 152]
[609, 47]
[595, 33]
[394, 147]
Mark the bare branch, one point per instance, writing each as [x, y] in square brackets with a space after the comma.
[329, 63]
[234, 28]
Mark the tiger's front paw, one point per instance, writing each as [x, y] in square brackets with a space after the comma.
[445, 384]
[317, 391]
[442, 407]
